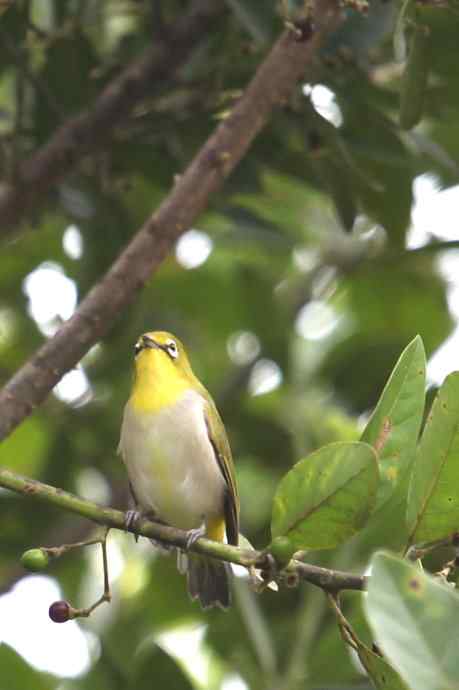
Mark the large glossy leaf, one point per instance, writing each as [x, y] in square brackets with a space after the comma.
[415, 620]
[433, 499]
[394, 426]
[382, 675]
[326, 497]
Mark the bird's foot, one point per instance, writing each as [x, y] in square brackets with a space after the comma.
[194, 534]
[131, 521]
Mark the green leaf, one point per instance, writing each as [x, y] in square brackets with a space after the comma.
[326, 497]
[394, 427]
[387, 524]
[433, 498]
[18, 675]
[415, 620]
[382, 675]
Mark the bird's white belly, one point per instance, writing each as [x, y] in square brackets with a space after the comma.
[171, 463]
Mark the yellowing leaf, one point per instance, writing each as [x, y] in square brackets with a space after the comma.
[394, 426]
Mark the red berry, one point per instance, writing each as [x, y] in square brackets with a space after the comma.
[59, 612]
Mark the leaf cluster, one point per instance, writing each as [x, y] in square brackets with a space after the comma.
[345, 487]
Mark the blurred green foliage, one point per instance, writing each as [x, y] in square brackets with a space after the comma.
[308, 294]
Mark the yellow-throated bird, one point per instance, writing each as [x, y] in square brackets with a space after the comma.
[178, 458]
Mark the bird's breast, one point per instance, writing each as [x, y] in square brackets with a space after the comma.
[171, 462]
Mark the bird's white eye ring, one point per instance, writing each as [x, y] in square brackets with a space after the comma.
[137, 348]
[171, 347]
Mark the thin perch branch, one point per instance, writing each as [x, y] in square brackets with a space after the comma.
[271, 86]
[329, 580]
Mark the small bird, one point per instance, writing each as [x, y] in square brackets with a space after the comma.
[174, 445]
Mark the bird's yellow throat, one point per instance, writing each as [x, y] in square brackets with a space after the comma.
[157, 382]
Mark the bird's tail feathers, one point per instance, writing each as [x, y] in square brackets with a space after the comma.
[208, 580]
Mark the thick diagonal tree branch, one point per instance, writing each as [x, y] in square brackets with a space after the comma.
[271, 86]
[329, 580]
[90, 131]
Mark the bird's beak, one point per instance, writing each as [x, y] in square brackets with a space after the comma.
[152, 344]
[146, 341]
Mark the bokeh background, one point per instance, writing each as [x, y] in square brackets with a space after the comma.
[332, 245]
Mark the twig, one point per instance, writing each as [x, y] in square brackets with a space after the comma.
[62, 611]
[418, 551]
[325, 578]
[430, 248]
[271, 86]
[106, 596]
[329, 580]
[346, 630]
[89, 131]
[390, 256]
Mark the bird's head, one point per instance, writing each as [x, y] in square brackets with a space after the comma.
[162, 356]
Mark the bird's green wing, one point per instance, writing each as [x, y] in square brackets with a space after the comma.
[219, 441]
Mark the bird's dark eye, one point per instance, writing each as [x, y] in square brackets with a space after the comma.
[171, 347]
[137, 348]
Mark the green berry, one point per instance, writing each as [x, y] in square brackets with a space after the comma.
[282, 549]
[35, 560]
[59, 612]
